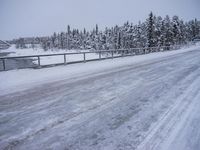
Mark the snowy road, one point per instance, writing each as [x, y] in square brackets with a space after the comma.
[153, 106]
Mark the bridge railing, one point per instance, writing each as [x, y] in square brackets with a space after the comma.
[100, 55]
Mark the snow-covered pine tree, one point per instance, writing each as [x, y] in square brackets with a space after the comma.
[167, 32]
[97, 29]
[175, 29]
[150, 30]
[158, 32]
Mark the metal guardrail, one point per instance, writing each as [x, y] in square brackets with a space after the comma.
[113, 54]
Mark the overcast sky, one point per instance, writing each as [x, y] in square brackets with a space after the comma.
[24, 18]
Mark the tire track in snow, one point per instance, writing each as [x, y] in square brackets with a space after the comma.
[161, 130]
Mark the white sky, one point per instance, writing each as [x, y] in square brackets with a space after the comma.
[23, 18]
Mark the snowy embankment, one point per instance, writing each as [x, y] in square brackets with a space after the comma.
[19, 79]
[47, 60]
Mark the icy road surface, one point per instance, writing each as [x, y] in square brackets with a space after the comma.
[154, 105]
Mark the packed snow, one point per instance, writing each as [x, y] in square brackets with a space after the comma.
[146, 102]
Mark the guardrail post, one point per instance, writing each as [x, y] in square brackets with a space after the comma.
[99, 55]
[38, 61]
[84, 57]
[131, 52]
[4, 64]
[64, 59]
[112, 54]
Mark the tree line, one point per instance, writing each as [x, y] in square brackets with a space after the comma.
[154, 31]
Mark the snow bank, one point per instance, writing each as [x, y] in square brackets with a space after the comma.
[37, 51]
[16, 80]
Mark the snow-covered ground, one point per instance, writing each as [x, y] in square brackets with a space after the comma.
[47, 60]
[37, 51]
[146, 102]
